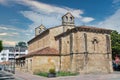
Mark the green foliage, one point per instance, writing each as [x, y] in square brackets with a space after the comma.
[52, 70]
[21, 44]
[42, 74]
[66, 74]
[58, 74]
[1, 46]
[115, 42]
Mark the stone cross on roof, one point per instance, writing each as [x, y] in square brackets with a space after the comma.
[39, 29]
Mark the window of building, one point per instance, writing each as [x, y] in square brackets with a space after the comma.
[65, 18]
[3, 54]
[71, 18]
[30, 63]
[11, 54]
[3, 58]
[85, 39]
[11, 58]
[95, 42]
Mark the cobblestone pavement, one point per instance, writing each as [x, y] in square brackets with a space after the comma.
[112, 76]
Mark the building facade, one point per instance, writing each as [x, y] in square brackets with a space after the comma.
[69, 48]
[9, 53]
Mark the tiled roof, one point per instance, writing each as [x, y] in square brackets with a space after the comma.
[86, 29]
[96, 28]
[5, 63]
[43, 52]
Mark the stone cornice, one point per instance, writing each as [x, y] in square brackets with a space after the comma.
[86, 29]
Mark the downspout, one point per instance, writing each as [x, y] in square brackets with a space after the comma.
[86, 52]
[71, 49]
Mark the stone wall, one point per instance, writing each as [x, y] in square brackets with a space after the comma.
[81, 51]
[39, 43]
[53, 33]
[38, 64]
[96, 58]
[65, 63]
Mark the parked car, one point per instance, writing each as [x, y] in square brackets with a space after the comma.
[0, 67]
[116, 66]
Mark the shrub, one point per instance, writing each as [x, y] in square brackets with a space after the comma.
[52, 70]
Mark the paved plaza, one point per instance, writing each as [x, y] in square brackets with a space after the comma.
[27, 76]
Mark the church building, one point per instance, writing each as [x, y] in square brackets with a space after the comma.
[68, 48]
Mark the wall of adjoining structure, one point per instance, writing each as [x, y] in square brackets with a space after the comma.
[96, 58]
[38, 64]
[39, 43]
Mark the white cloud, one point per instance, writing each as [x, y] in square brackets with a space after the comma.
[3, 2]
[9, 34]
[46, 8]
[48, 12]
[9, 43]
[38, 19]
[116, 1]
[87, 19]
[15, 33]
[112, 22]
[3, 28]
[3, 34]
[48, 15]
[7, 27]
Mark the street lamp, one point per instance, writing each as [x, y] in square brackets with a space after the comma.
[14, 61]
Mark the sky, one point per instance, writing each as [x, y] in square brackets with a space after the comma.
[19, 18]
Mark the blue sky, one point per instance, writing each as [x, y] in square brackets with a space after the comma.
[18, 18]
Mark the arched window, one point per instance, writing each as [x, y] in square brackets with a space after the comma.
[95, 42]
[71, 18]
[66, 18]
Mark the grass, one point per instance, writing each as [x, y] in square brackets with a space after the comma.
[66, 74]
[44, 74]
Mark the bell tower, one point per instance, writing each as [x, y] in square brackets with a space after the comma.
[68, 19]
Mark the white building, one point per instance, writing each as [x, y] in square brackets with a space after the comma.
[9, 53]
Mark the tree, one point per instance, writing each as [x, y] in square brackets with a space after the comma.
[21, 44]
[1, 46]
[115, 42]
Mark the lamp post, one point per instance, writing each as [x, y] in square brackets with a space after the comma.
[3, 60]
[14, 60]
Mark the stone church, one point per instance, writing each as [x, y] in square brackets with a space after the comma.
[69, 48]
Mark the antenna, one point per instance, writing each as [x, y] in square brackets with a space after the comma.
[41, 20]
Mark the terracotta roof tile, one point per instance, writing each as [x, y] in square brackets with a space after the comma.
[5, 63]
[96, 28]
[43, 52]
